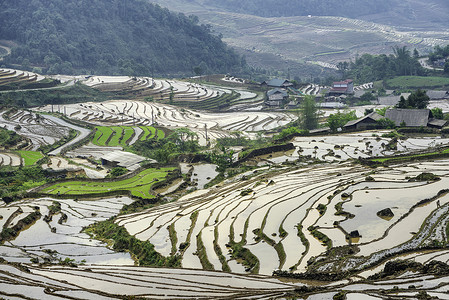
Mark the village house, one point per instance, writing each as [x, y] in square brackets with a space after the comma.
[438, 95]
[277, 83]
[345, 87]
[276, 97]
[413, 118]
[366, 122]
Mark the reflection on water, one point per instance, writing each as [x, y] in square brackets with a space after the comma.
[202, 174]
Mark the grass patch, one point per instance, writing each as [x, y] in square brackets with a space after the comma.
[120, 240]
[417, 82]
[173, 238]
[138, 185]
[202, 255]
[127, 135]
[121, 135]
[114, 141]
[409, 157]
[30, 157]
[224, 264]
[320, 236]
[148, 132]
[105, 134]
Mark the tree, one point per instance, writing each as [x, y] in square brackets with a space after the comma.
[415, 53]
[343, 67]
[368, 111]
[185, 139]
[309, 113]
[437, 113]
[402, 60]
[338, 120]
[386, 123]
[367, 96]
[417, 99]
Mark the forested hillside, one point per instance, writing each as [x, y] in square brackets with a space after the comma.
[369, 67]
[130, 37]
[287, 8]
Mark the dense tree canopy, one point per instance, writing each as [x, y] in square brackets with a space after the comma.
[287, 8]
[369, 67]
[417, 99]
[309, 113]
[339, 119]
[439, 53]
[130, 37]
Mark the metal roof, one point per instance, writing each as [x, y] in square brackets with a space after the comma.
[332, 105]
[437, 123]
[411, 117]
[436, 95]
[277, 82]
[123, 159]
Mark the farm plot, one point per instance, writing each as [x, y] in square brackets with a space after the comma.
[192, 95]
[312, 89]
[75, 164]
[9, 76]
[361, 144]
[124, 135]
[139, 185]
[118, 282]
[53, 231]
[91, 151]
[10, 159]
[147, 113]
[38, 130]
[30, 157]
[282, 219]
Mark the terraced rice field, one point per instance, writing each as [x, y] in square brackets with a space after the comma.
[265, 213]
[138, 113]
[37, 129]
[312, 89]
[145, 113]
[30, 157]
[10, 159]
[334, 148]
[138, 185]
[57, 235]
[57, 163]
[361, 144]
[118, 282]
[192, 95]
[8, 76]
[124, 135]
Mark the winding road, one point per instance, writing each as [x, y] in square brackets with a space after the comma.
[83, 133]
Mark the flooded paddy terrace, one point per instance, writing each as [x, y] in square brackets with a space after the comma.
[276, 214]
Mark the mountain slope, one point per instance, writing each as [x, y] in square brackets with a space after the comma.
[290, 8]
[301, 45]
[110, 37]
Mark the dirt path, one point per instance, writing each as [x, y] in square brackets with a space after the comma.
[83, 133]
[425, 65]
[8, 51]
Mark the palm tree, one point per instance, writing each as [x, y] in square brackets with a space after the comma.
[403, 61]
